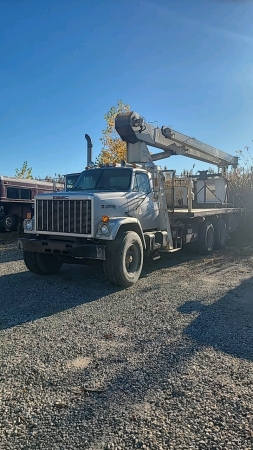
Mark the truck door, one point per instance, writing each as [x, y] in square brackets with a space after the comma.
[141, 202]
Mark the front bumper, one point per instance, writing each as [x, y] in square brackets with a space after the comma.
[89, 251]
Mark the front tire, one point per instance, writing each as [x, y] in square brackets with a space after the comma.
[41, 263]
[124, 261]
[30, 261]
[10, 222]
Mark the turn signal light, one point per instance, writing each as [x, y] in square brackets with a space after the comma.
[105, 219]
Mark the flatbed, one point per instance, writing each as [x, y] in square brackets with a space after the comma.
[181, 213]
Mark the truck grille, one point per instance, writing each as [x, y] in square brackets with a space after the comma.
[64, 216]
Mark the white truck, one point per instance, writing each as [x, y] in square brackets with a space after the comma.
[120, 213]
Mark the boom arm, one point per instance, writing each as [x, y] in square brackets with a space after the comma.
[133, 129]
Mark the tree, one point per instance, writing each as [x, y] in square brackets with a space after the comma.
[241, 178]
[186, 173]
[24, 172]
[114, 149]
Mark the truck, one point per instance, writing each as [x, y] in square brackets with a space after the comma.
[70, 180]
[116, 215]
[17, 198]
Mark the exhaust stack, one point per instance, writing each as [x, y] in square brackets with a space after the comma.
[89, 148]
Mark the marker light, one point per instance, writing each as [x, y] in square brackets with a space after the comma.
[105, 219]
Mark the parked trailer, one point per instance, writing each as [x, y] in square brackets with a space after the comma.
[120, 213]
[17, 198]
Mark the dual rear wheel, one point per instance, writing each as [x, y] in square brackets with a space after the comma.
[211, 236]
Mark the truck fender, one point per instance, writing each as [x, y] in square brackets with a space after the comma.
[120, 223]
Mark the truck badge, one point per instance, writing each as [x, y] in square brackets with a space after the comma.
[60, 197]
[109, 206]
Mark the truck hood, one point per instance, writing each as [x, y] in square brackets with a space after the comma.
[79, 195]
[109, 200]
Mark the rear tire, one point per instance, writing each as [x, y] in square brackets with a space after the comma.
[41, 263]
[220, 234]
[206, 238]
[124, 261]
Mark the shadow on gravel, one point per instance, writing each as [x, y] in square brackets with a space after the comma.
[8, 236]
[26, 297]
[169, 260]
[226, 325]
[10, 254]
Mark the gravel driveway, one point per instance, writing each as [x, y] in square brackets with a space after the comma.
[166, 364]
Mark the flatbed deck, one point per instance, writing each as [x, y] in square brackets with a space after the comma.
[181, 213]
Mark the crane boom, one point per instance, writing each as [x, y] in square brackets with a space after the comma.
[134, 130]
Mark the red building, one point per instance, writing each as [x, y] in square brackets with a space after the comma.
[17, 198]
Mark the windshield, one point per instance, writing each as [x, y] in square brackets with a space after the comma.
[115, 179]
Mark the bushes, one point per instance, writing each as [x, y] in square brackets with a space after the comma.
[241, 187]
[241, 194]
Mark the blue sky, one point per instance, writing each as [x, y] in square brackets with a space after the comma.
[64, 63]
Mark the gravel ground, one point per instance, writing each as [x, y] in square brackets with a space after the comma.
[166, 364]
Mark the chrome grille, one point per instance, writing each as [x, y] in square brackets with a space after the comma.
[64, 216]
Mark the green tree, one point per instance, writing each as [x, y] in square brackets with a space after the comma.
[24, 172]
[114, 149]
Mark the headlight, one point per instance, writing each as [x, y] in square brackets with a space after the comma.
[104, 229]
[28, 224]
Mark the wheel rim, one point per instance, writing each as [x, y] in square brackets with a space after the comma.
[8, 221]
[132, 259]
